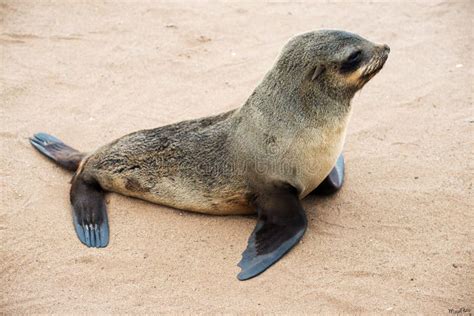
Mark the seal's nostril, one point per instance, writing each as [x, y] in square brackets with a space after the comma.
[386, 48]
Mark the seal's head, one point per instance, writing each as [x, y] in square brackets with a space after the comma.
[337, 63]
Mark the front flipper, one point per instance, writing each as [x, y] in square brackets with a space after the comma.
[89, 212]
[334, 180]
[281, 224]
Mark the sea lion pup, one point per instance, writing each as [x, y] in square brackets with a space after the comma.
[263, 157]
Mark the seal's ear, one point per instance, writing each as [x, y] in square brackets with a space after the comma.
[317, 71]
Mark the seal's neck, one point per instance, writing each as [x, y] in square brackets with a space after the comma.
[294, 98]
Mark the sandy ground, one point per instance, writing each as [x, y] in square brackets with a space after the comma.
[397, 238]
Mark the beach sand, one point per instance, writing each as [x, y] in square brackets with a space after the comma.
[398, 238]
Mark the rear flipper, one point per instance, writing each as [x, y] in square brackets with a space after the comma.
[334, 180]
[56, 150]
[89, 212]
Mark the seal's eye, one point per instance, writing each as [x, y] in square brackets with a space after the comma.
[354, 56]
[351, 63]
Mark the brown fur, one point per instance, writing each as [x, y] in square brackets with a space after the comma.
[291, 129]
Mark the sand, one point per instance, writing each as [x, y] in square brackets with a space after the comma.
[396, 239]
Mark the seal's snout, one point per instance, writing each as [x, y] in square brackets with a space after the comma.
[385, 50]
[382, 50]
[377, 56]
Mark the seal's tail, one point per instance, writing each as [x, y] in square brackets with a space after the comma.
[56, 150]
